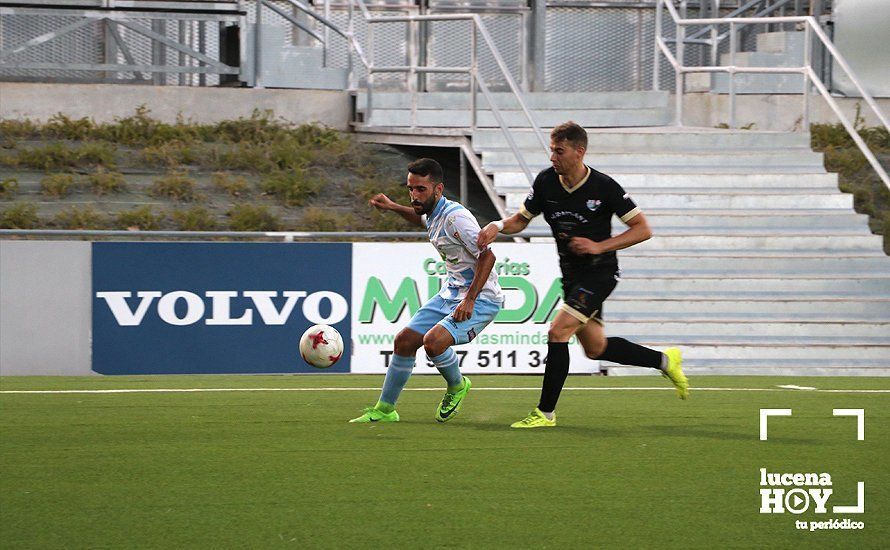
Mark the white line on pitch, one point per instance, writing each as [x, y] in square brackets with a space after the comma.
[199, 390]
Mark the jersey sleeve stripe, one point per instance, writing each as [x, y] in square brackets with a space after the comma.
[631, 214]
[525, 213]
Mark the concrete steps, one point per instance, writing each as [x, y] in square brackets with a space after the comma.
[703, 200]
[642, 265]
[747, 309]
[451, 109]
[741, 333]
[774, 161]
[634, 181]
[775, 49]
[654, 139]
[759, 265]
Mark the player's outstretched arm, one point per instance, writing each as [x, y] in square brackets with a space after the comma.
[514, 224]
[382, 202]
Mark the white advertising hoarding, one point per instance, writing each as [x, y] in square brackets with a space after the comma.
[392, 280]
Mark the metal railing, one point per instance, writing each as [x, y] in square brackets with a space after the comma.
[476, 80]
[120, 26]
[716, 38]
[811, 28]
[354, 47]
[413, 69]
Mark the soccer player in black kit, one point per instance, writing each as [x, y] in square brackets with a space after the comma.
[578, 203]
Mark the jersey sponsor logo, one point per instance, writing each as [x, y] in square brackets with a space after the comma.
[593, 204]
[531, 195]
[566, 213]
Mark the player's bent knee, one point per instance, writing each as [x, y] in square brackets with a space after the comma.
[435, 342]
[407, 342]
[559, 334]
[594, 352]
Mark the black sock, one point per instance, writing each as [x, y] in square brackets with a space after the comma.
[619, 350]
[555, 373]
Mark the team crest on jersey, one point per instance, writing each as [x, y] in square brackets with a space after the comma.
[593, 204]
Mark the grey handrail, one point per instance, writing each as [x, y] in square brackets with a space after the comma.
[475, 77]
[734, 13]
[811, 27]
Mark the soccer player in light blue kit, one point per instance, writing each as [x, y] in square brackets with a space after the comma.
[467, 303]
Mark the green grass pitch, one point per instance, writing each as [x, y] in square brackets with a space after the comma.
[265, 469]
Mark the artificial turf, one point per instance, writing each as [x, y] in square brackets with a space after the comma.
[624, 467]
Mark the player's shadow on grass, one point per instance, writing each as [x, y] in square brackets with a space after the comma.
[714, 431]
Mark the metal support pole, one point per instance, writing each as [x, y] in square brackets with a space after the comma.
[681, 74]
[638, 48]
[257, 36]
[538, 46]
[715, 42]
[732, 48]
[327, 34]
[523, 51]
[180, 29]
[353, 81]
[656, 52]
[412, 69]
[473, 69]
[109, 56]
[807, 63]
[463, 178]
[370, 71]
[159, 51]
[202, 47]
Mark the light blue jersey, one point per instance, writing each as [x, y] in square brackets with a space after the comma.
[453, 230]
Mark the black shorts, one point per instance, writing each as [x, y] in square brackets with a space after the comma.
[584, 296]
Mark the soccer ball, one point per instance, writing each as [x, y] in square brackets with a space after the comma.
[321, 346]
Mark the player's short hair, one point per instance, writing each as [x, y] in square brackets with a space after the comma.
[427, 167]
[571, 132]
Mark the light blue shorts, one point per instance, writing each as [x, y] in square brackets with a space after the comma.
[438, 311]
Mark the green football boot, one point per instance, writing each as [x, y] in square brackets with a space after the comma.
[450, 404]
[376, 415]
[674, 372]
[535, 419]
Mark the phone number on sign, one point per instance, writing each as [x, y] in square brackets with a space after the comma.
[488, 358]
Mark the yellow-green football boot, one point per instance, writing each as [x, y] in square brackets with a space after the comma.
[535, 419]
[451, 402]
[372, 414]
[674, 372]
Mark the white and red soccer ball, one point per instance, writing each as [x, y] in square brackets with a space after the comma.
[321, 346]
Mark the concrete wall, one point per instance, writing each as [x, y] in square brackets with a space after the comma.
[45, 308]
[104, 102]
[779, 112]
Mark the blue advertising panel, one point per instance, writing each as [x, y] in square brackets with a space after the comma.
[215, 308]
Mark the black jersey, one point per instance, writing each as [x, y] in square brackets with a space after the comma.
[582, 211]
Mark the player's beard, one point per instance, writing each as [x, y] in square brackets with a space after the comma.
[425, 207]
